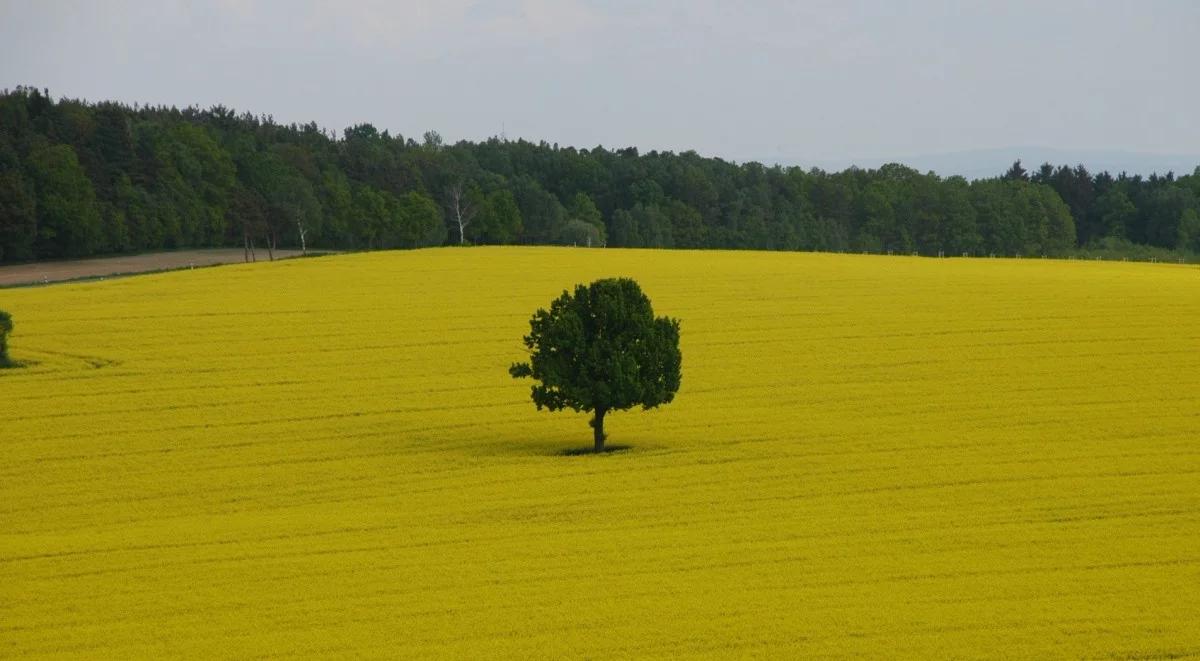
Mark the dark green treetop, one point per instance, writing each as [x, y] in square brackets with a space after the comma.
[601, 349]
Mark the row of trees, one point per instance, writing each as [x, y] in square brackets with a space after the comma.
[1161, 211]
[81, 178]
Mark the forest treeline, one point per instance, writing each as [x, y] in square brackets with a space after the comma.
[80, 178]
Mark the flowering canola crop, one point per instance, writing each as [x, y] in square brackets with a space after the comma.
[870, 456]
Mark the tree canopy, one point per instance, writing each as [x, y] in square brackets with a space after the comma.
[601, 349]
[79, 178]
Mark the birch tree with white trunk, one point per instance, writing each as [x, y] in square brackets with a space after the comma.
[462, 210]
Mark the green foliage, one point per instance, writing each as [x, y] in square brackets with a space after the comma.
[288, 200]
[542, 215]
[1115, 212]
[601, 349]
[583, 210]
[337, 200]
[18, 219]
[1016, 172]
[1164, 208]
[643, 226]
[959, 230]
[68, 220]
[417, 222]
[579, 233]
[1055, 217]
[1022, 218]
[499, 219]
[6, 327]
[1111, 248]
[79, 178]
[1189, 231]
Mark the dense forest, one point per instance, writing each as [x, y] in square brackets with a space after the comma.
[79, 178]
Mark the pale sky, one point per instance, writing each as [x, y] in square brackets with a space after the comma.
[814, 81]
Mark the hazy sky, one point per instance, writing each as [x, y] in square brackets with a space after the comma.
[798, 80]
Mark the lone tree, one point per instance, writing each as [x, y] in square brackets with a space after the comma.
[6, 326]
[601, 349]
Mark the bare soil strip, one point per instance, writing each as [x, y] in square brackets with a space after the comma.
[47, 272]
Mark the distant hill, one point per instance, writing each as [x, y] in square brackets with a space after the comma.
[984, 163]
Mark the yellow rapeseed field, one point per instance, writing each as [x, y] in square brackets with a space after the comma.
[870, 456]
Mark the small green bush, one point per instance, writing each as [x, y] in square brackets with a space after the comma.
[6, 326]
[1115, 249]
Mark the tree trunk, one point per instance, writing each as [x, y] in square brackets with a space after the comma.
[598, 429]
[458, 216]
[463, 211]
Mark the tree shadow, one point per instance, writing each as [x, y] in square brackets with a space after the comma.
[585, 451]
[560, 445]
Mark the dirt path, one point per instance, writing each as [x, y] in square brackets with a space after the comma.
[45, 272]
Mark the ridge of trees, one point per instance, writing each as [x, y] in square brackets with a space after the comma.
[80, 178]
